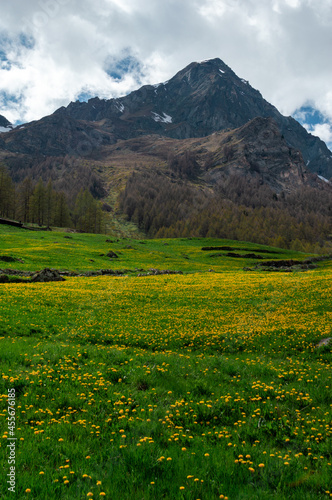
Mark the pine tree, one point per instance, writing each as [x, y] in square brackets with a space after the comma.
[61, 211]
[25, 191]
[38, 204]
[88, 216]
[49, 204]
[7, 193]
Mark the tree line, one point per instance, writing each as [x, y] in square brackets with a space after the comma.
[39, 203]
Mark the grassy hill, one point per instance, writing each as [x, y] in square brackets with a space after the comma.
[80, 252]
[196, 386]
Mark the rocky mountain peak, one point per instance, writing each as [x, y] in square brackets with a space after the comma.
[196, 72]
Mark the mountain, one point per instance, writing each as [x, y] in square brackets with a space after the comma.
[258, 149]
[5, 125]
[255, 150]
[199, 100]
[202, 154]
[55, 135]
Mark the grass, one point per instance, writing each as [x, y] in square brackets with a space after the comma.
[82, 252]
[197, 386]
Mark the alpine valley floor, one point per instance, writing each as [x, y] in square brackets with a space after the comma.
[202, 385]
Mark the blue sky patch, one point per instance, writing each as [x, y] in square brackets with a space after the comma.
[117, 69]
[311, 118]
[85, 96]
[309, 115]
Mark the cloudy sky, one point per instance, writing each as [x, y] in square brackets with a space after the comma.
[56, 51]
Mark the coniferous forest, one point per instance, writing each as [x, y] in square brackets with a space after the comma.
[39, 203]
[237, 208]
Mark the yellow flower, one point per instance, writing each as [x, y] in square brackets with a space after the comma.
[181, 487]
[206, 455]
[41, 473]
[28, 490]
[261, 465]
[102, 494]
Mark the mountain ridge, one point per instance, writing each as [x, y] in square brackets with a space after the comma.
[201, 100]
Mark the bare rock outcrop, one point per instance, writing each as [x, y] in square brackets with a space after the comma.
[47, 275]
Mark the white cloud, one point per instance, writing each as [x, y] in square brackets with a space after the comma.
[322, 130]
[281, 46]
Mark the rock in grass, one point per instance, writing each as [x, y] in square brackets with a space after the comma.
[47, 275]
[112, 255]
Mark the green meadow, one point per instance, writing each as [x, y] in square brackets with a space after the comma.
[202, 385]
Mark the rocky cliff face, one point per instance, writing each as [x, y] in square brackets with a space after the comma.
[259, 150]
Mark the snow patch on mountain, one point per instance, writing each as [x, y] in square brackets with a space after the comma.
[164, 119]
[323, 179]
[5, 129]
[120, 107]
